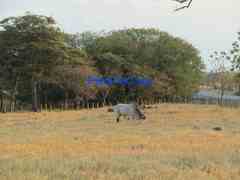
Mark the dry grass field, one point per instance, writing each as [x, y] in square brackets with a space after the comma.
[175, 142]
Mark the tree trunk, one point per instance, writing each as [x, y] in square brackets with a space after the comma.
[222, 94]
[13, 95]
[66, 100]
[1, 103]
[34, 96]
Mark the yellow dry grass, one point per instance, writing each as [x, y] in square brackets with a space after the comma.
[176, 141]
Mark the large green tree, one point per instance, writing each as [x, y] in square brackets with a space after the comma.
[30, 47]
[174, 64]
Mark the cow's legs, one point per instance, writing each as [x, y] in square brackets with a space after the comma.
[118, 118]
[133, 117]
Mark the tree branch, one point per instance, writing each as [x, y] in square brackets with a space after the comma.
[183, 1]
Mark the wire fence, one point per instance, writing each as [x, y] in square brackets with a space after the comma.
[227, 101]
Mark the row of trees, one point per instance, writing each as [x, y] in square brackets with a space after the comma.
[40, 65]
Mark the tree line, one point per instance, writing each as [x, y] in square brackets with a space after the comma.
[42, 66]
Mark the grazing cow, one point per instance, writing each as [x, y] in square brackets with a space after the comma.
[129, 110]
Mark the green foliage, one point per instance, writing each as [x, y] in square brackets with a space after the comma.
[32, 46]
[34, 42]
[235, 52]
[39, 60]
[150, 53]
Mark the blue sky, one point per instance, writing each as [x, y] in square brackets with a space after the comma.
[208, 25]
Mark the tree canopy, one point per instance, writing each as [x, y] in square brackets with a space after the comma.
[39, 61]
[31, 46]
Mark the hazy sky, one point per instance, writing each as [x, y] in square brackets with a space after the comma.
[208, 25]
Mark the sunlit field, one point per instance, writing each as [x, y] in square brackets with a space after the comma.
[175, 142]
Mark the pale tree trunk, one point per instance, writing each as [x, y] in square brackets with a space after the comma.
[104, 101]
[224, 86]
[66, 101]
[13, 95]
[105, 95]
[222, 94]
[34, 96]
